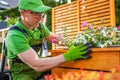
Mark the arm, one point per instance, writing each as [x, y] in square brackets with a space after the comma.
[54, 37]
[60, 40]
[40, 64]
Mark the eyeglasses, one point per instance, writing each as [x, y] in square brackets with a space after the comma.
[38, 14]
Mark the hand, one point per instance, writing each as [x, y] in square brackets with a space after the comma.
[77, 51]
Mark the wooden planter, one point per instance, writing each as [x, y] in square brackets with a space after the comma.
[103, 59]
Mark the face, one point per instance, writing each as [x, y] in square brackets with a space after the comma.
[31, 19]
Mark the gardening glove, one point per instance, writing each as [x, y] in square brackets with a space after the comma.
[77, 51]
[86, 56]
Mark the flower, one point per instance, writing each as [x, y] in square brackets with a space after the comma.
[100, 37]
[6, 17]
[84, 24]
[53, 41]
[119, 27]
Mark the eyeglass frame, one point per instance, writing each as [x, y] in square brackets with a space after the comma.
[38, 14]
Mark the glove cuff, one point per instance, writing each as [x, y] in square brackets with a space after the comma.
[67, 57]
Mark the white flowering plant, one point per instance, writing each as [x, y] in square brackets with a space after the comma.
[100, 37]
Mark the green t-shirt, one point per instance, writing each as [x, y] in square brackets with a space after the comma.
[17, 42]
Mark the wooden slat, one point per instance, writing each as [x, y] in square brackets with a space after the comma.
[106, 25]
[92, 17]
[66, 24]
[67, 16]
[63, 26]
[68, 28]
[65, 13]
[66, 10]
[59, 7]
[97, 9]
[97, 22]
[92, 1]
[65, 19]
[99, 15]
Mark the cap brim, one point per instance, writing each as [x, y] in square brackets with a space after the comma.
[42, 8]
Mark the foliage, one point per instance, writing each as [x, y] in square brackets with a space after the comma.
[117, 8]
[12, 13]
[10, 21]
[100, 37]
[80, 75]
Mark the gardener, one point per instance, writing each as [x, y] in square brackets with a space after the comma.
[24, 39]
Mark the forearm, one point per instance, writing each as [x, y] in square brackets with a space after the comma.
[53, 38]
[40, 64]
[48, 63]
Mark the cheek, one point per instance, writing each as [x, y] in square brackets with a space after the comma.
[28, 19]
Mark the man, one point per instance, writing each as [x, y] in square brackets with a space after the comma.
[24, 61]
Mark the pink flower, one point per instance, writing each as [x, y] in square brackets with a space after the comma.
[119, 27]
[6, 17]
[53, 41]
[84, 24]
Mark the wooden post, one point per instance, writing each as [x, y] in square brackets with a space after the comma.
[53, 25]
[78, 14]
[112, 13]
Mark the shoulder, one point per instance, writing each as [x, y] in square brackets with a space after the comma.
[14, 36]
[11, 33]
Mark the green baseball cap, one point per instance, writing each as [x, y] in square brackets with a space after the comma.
[33, 5]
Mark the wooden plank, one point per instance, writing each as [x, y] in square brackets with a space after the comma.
[98, 15]
[70, 28]
[97, 25]
[65, 13]
[69, 34]
[59, 7]
[95, 4]
[97, 22]
[78, 15]
[112, 12]
[103, 59]
[67, 22]
[97, 18]
[97, 9]
[92, 1]
[67, 25]
[53, 26]
[67, 16]
[65, 19]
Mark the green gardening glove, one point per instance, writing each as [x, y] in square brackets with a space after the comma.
[77, 52]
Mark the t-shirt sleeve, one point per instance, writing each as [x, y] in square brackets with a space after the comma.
[16, 42]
